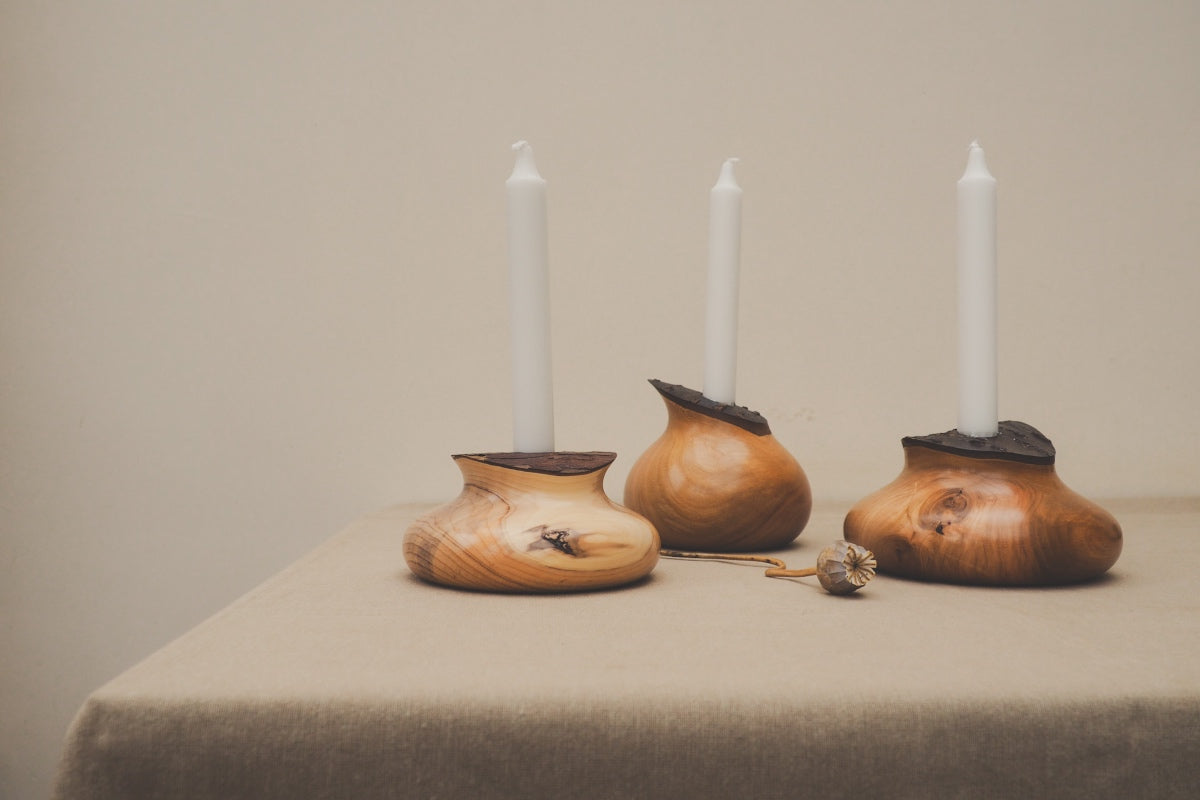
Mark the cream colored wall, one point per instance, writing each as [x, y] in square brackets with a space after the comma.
[253, 266]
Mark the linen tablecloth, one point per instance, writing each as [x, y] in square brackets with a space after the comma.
[345, 677]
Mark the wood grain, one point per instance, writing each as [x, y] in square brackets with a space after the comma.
[984, 521]
[711, 484]
[521, 526]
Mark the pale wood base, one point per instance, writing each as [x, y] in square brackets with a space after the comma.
[532, 523]
[975, 519]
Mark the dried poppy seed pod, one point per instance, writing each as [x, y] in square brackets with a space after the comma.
[843, 567]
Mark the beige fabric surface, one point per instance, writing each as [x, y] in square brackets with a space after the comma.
[346, 677]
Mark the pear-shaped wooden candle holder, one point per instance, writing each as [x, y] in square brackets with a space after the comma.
[717, 479]
[532, 522]
[986, 511]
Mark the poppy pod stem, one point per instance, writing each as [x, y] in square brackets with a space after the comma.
[842, 568]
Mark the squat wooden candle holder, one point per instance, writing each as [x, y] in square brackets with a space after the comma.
[986, 511]
[717, 479]
[532, 522]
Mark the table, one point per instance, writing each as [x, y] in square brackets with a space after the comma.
[346, 677]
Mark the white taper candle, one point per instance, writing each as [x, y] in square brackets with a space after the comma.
[529, 307]
[724, 253]
[977, 298]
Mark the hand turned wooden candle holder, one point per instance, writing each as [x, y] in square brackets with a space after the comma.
[717, 479]
[985, 511]
[532, 522]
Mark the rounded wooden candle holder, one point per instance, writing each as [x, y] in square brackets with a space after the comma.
[985, 511]
[717, 479]
[531, 522]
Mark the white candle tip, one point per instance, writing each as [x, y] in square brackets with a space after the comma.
[727, 178]
[976, 163]
[525, 167]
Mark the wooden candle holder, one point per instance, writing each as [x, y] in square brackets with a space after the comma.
[717, 479]
[985, 511]
[531, 522]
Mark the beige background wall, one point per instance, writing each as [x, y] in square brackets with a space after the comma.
[252, 266]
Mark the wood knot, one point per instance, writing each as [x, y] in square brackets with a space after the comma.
[557, 538]
[943, 510]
